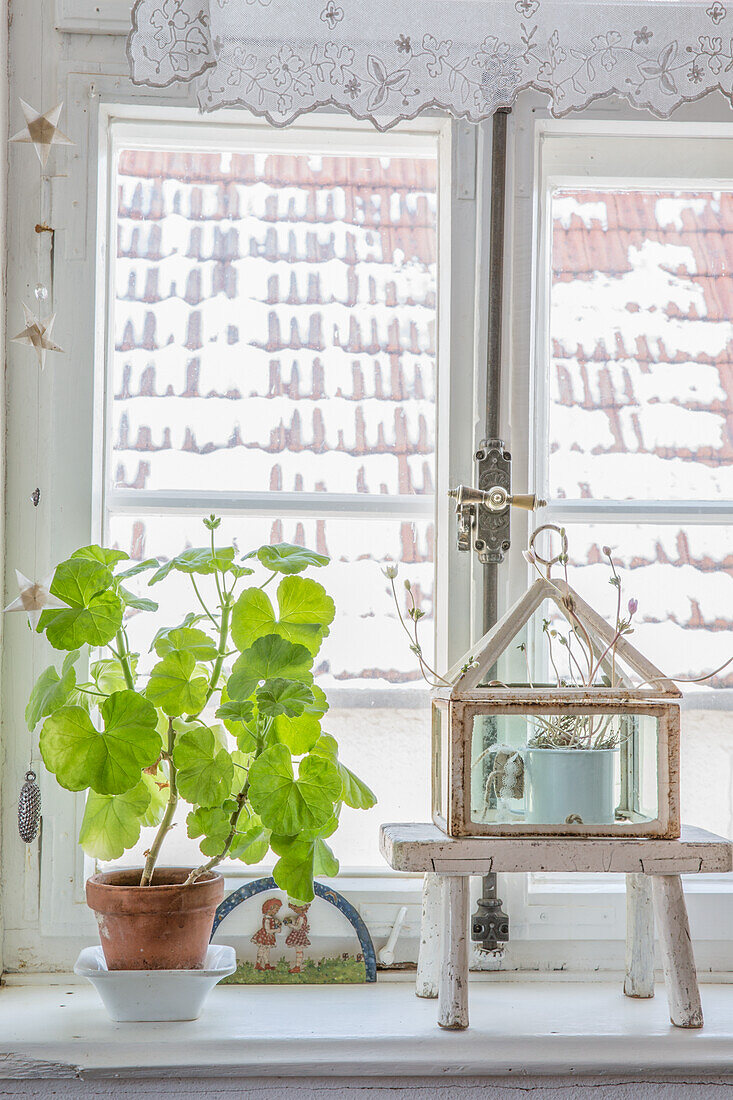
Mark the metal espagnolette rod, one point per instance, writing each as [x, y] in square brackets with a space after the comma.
[483, 513]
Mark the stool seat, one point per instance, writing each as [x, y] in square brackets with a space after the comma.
[423, 847]
[653, 890]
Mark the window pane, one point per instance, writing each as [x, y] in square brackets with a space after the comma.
[641, 345]
[274, 322]
[378, 702]
[683, 581]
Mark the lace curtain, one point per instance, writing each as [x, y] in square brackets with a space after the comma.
[391, 59]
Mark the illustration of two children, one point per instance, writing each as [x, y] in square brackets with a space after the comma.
[266, 936]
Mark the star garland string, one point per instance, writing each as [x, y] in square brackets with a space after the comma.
[42, 131]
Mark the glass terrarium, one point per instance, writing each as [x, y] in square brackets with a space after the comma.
[514, 756]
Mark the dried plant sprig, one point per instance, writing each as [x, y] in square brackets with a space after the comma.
[429, 675]
[586, 658]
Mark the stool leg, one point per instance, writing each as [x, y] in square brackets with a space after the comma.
[453, 982]
[639, 980]
[431, 930]
[680, 976]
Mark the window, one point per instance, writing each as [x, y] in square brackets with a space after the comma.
[276, 332]
[636, 347]
[620, 407]
[272, 358]
[291, 333]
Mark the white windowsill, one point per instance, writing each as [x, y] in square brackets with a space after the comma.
[56, 1028]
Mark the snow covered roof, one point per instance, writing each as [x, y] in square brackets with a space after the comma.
[285, 308]
[275, 330]
[641, 404]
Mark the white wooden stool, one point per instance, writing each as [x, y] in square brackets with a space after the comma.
[653, 888]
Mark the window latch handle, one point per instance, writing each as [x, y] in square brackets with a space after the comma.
[483, 513]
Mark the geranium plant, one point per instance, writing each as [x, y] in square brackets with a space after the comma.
[229, 719]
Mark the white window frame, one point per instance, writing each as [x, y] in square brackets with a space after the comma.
[45, 915]
[568, 921]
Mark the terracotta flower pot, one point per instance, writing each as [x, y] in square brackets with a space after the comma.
[159, 927]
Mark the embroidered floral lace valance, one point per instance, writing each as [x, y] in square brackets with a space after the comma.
[391, 59]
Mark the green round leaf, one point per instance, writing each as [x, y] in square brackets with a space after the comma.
[138, 567]
[246, 735]
[286, 558]
[283, 697]
[205, 770]
[299, 734]
[285, 804]
[355, 792]
[108, 676]
[158, 787]
[199, 560]
[235, 570]
[252, 617]
[176, 687]
[319, 706]
[250, 846]
[111, 822]
[188, 640]
[268, 657]
[235, 711]
[306, 611]
[300, 860]
[94, 615]
[51, 691]
[108, 558]
[213, 824]
[110, 761]
[325, 862]
[327, 746]
[139, 603]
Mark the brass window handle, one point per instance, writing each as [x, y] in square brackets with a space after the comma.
[496, 499]
[483, 514]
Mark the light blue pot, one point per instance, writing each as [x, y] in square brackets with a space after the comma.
[563, 783]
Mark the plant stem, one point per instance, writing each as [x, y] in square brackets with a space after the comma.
[233, 821]
[226, 611]
[618, 619]
[170, 810]
[123, 656]
[198, 596]
[270, 578]
[216, 571]
[215, 860]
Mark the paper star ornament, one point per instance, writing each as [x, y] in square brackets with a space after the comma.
[34, 598]
[37, 335]
[41, 131]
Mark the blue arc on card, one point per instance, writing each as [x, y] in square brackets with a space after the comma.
[326, 893]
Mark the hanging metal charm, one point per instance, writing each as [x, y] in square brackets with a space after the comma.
[29, 808]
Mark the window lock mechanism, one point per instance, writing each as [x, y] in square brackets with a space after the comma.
[483, 514]
[490, 924]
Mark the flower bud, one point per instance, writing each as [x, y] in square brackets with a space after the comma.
[633, 607]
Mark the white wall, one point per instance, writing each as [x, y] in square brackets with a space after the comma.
[4, 93]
